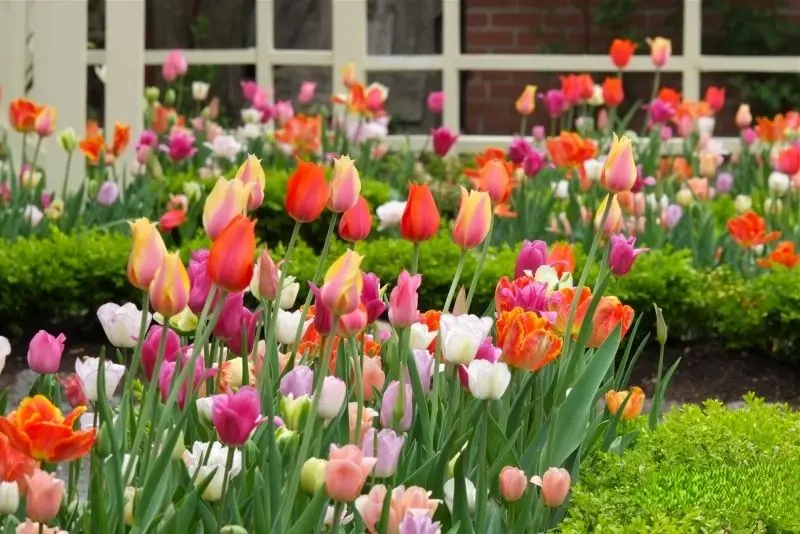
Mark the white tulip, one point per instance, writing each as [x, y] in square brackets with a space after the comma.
[450, 491]
[204, 407]
[421, 337]
[462, 335]
[217, 458]
[390, 213]
[334, 392]
[743, 203]
[32, 214]
[684, 198]
[200, 90]
[289, 292]
[778, 183]
[251, 115]
[87, 371]
[5, 351]
[593, 168]
[250, 131]
[597, 96]
[561, 189]
[9, 498]
[705, 125]
[487, 380]
[286, 326]
[122, 323]
[225, 147]
[773, 206]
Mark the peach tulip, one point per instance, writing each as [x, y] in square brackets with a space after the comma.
[526, 103]
[554, 486]
[633, 408]
[251, 172]
[619, 169]
[45, 493]
[345, 185]
[341, 291]
[147, 253]
[474, 219]
[660, 51]
[513, 483]
[346, 472]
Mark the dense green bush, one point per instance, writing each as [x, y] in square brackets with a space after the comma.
[704, 469]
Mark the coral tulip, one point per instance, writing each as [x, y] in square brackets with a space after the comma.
[236, 415]
[45, 493]
[356, 222]
[554, 486]
[610, 312]
[44, 352]
[45, 122]
[346, 472]
[22, 115]
[147, 253]
[228, 199]
[230, 263]
[633, 408]
[613, 93]
[14, 465]
[715, 97]
[621, 51]
[619, 169]
[251, 172]
[404, 301]
[526, 103]
[660, 51]
[420, 220]
[789, 160]
[494, 178]
[750, 230]
[169, 291]
[341, 291]
[37, 429]
[306, 192]
[526, 339]
[345, 185]
[474, 219]
[513, 483]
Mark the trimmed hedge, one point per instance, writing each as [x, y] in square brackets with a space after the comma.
[62, 277]
[704, 469]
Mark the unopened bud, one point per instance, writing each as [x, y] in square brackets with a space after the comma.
[661, 326]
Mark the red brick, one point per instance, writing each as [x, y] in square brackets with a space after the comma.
[490, 38]
[477, 20]
[517, 20]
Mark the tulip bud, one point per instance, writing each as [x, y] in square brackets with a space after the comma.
[130, 497]
[684, 198]
[152, 94]
[230, 262]
[228, 199]
[266, 276]
[288, 441]
[473, 220]
[633, 407]
[345, 185]
[334, 392]
[9, 498]
[147, 253]
[356, 222]
[341, 291]
[420, 218]
[251, 172]
[661, 325]
[169, 98]
[312, 476]
[660, 51]
[613, 219]
[554, 486]
[103, 444]
[513, 483]
[169, 291]
[68, 140]
[295, 410]
[619, 169]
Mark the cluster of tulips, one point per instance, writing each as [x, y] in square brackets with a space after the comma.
[241, 411]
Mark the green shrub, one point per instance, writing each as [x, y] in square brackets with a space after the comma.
[704, 469]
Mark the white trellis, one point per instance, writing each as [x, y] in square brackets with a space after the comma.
[60, 49]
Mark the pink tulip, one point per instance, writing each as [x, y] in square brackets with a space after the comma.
[180, 145]
[554, 486]
[622, 254]
[74, 391]
[660, 111]
[749, 136]
[533, 163]
[404, 300]
[306, 94]
[230, 320]
[443, 140]
[353, 323]
[436, 101]
[174, 66]
[150, 349]
[168, 370]
[513, 483]
[268, 275]
[346, 472]
[236, 415]
[284, 111]
[532, 255]
[44, 352]
[45, 493]
[199, 281]
[371, 298]
[249, 321]
[249, 90]
[555, 102]
[539, 132]
[108, 193]
[323, 318]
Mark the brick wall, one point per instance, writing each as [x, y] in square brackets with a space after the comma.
[569, 27]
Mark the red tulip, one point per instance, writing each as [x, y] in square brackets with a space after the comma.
[230, 263]
[421, 219]
[307, 192]
[356, 222]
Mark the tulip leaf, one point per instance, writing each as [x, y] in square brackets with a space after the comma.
[421, 400]
[460, 510]
[307, 522]
[519, 403]
[184, 516]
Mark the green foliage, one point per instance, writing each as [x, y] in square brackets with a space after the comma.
[704, 469]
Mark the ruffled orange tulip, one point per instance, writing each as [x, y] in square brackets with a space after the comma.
[421, 219]
[39, 430]
[749, 230]
[569, 150]
[771, 131]
[563, 306]
[22, 115]
[13, 464]
[473, 220]
[610, 312]
[526, 339]
[613, 94]
[784, 254]
[230, 263]
[562, 258]
[169, 290]
[633, 408]
[92, 147]
[307, 192]
[147, 253]
[621, 51]
[303, 133]
[122, 137]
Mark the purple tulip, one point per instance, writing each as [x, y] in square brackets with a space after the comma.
[416, 523]
[555, 102]
[519, 149]
[660, 111]
[622, 254]
[108, 193]
[724, 182]
[389, 403]
[672, 215]
[386, 447]
[297, 382]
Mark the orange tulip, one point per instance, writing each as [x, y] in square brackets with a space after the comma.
[147, 253]
[613, 94]
[784, 254]
[474, 219]
[771, 131]
[562, 258]
[609, 313]
[526, 103]
[564, 306]
[230, 263]
[169, 290]
[494, 178]
[302, 133]
[420, 220]
[749, 230]
[621, 51]
[569, 150]
[92, 147]
[526, 339]
[307, 192]
[39, 430]
[14, 465]
[122, 136]
[633, 408]
[670, 95]
[22, 115]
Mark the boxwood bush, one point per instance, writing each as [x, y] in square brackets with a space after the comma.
[704, 469]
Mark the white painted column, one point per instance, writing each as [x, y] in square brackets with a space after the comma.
[125, 45]
[59, 41]
[451, 50]
[349, 39]
[265, 43]
[692, 35]
[13, 62]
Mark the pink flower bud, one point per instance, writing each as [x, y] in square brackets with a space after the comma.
[554, 486]
[44, 352]
[513, 483]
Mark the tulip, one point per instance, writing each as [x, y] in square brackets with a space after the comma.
[614, 218]
[266, 277]
[356, 222]
[353, 323]
[45, 122]
[778, 183]
[633, 408]
[208, 460]
[306, 93]
[180, 145]
[493, 178]
[150, 346]
[743, 116]
[22, 114]
[671, 215]
[323, 317]
[122, 324]
[167, 372]
[374, 377]
[613, 93]
[44, 496]
[5, 351]
[421, 336]
[230, 263]
[345, 185]
[44, 352]
[533, 163]
[621, 51]
[87, 371]
[334, 392]
[385, 446]
[228, 199]
[419, 524]
[424, 364]
[435, 101]
[284, 111]
[619, 169]
[346, 472]
[251, 172]
[474, 219]
[532, 255]
[286, 326]
[147, 253]
[299, 382]
[174, 66]
[554, 486]
[555, 102]
[247, 326]
[622, 254]
[32, 215]
[169, 291]
[371, 297]
[789, 160]
[200, 91]
[391, 213]
[519, 149]
[488, 381]
[449, 490]
[289, 293]
[420, 220]
[461, 336]
[513, 483]
[660, 51]
[391, 408]
[68, 140]
[715, 97]
[9, 498]
[404, 301]
[312, 475]
[306, 192]
[526, 103]
[341, 291]
[443, 140]
[236, 415]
